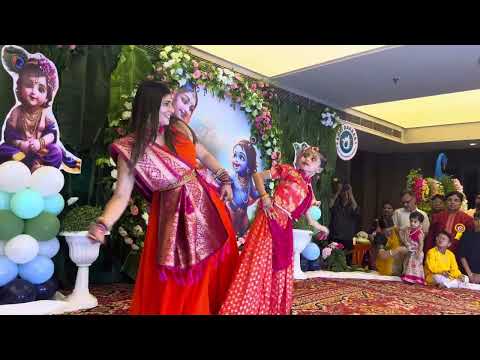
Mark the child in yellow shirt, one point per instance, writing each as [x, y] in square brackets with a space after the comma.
[441, 268]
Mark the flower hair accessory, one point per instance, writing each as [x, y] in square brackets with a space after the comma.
[299, 149]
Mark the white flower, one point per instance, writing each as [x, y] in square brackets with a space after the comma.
[114, 173]
[276, 149]
[182, 82]
[145, 217]
[269, 152]
[112, 162]
[186, 57]
[128, 105]
[134, 92]
[271, 185]
[138, 230]
[268, 144]
[169, 63]
[142, 244]
[274, 142]
[247, 109]
[123, 97]
[72, 201]
[126, 115]
[168, 48]
[128, 240]
[163, 55]
[122, 232]
[220, 71]
[114, 186]
[135, 247]
[179, 71]
[228, 72]
[172, 72]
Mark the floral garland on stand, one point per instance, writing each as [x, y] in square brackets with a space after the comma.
[176, 66]
[425, 188]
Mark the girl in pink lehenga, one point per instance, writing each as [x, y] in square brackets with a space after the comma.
[263, 283]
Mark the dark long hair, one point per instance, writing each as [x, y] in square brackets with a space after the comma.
[144, 121]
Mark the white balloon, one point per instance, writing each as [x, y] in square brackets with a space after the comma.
[21, 249]
[14, 176]
[49, 248]
[2, 247]
[47, 180]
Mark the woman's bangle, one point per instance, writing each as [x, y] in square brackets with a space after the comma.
[100, 222]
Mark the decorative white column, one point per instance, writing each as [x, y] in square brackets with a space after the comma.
[83, 252]
[301, 238]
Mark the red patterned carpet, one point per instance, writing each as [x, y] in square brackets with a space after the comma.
[335, 297]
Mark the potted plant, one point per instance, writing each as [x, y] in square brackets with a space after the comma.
[82, 250]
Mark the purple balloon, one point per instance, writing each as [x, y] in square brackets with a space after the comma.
[16, 292]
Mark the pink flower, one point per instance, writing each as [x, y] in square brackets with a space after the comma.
[121, 131]
[195, 64]
[253, 86]
[134, 210]
[238, 77]
[197, 74]
[340, 246]
[234, 86]
[326, 252]
[72, 47]
[274, 155]
[261, 85]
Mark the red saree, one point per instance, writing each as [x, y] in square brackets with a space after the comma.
[446, 221]
[190, 250]
[263, 284]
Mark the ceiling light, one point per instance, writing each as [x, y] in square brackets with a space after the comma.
[473, 144]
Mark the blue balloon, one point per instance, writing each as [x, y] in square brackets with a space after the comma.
[5, 200]
[8, 270]
[315, 213]
[37, 271]
[17, 291]
[54, 204]
[47, 290]
[311, 252]
[27, 204]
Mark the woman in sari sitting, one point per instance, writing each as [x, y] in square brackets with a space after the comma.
[389, 260]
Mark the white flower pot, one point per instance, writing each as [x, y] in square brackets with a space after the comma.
[83, 252]
[301, 238]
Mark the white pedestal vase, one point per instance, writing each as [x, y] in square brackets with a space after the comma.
[301, 238]
[83, 252]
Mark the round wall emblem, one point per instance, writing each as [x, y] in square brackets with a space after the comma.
[347, 142]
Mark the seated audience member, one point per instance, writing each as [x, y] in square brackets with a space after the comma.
[476, 209]
[441, 267]
[452, 220]
[389, 261]
[469, 252]
[438, 204]
[401, 217]
[387, 213]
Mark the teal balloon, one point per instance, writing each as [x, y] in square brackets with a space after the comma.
[5, 200]
[10, 225]
[37, 271]
[27, 204]
[44, 227]
[315, 213]
[54, 204]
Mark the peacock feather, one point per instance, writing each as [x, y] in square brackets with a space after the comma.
[14, 58]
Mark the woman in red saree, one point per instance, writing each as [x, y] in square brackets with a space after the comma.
[263, 284]
[190, 250]
[452, 220]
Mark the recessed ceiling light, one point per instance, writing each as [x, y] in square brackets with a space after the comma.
[473, 144]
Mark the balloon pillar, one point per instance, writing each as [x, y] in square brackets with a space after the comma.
[29, 205]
